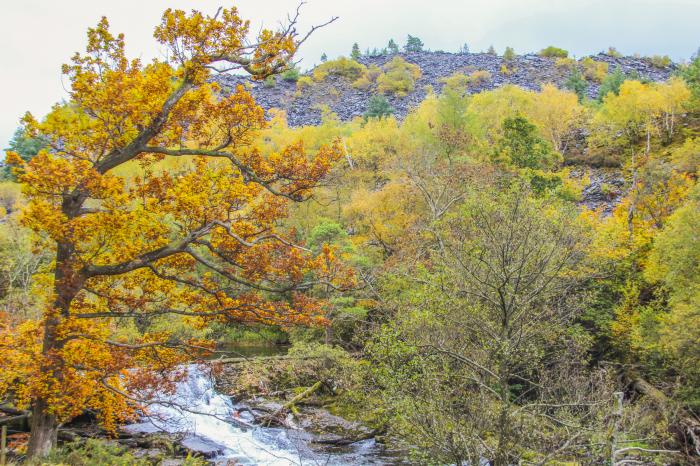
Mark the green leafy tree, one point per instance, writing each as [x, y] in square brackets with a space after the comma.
[392, 47]
[341, 313]
[691, 74]
[27, 147]
[455, 124]
[674, 262]
[413, 44]
[473, 361]
[611, 83]
[553, 52]
[509, 54]
[355, 54]
[378, 107]
[521, 145]
[291, 75]
[577, 84]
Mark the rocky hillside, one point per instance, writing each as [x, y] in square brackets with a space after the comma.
[528, 71]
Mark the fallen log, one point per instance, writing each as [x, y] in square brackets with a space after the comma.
[291, 404]
[350, 440]
[8, 419]
[12, 411]
[276, 416]
[242, 359]
[687, 425]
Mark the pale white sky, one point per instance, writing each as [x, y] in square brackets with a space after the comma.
[37, 36]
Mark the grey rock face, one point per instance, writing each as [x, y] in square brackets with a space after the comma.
[527, 71]
[605, 189]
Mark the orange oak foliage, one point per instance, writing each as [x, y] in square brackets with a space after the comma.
[204, 242]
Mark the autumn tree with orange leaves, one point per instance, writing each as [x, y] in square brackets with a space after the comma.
[205, 242]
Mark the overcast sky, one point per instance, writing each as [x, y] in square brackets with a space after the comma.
[38, 36]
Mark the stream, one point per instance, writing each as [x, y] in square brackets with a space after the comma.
[213, 424]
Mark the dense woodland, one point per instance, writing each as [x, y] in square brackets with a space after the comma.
[439, 271]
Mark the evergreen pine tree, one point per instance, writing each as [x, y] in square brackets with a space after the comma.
[611, 83]
[378, 107]
[392, 48]
[25, 146]
[355, 54]
[577, 83]
[413, 44]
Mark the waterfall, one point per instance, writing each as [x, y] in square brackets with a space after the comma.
[212, 423]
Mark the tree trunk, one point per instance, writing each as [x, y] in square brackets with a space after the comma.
[44, 425]
[44, 428]
[502, 454]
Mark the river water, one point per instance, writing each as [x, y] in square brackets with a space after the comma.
[211, 422]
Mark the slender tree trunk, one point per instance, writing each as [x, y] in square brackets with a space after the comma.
[502, 457]
[617, 418]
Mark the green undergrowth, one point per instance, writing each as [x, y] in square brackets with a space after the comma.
[95, 452]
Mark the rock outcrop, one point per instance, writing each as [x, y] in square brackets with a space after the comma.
[527, 71]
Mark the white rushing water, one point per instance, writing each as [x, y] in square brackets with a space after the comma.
[211, 422]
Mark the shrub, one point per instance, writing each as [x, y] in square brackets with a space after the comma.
[378, 107]
[399, 77]
[659, 61]
[553, 52]
[309, 363]
[594, 70]
[509, 54]
[461, 81]
[369, 77]
[478, 77]
[291, 75]
[92, 453]
[343, 67]
[613, 52]
[10, 195]
[565, 63]
[373, 72]
[363, 83]
[506, 71]
[455, 81]
[269, 82]
[304, 82]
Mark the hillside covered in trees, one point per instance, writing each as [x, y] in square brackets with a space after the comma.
[466, 258]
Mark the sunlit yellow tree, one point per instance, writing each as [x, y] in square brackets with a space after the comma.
[204, 242]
